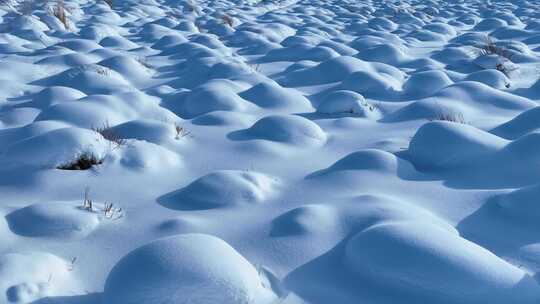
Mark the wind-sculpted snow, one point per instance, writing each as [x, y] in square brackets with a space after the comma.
[178, 268]
[353, 151]
[28, 277]
[460, 265]
[222, 189]
[290, 129]
[58, 219]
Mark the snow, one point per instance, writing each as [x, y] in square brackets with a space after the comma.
[290, 129]
[179, 268]
[442, 144]
[59, 146]
[30, 276]
[57, 219]
[221, 189]
[269, 151]
[421, 247]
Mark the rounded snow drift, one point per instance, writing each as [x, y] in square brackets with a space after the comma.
[289, 129]
[425, 83]
[148, 156]
[145, 129]
[187, 268]
[347, 102]
[221, 189]
[443, 144]
[332, 70]
[368, 159]
[56, 147]
[491, 77]
[372, 84]
[522, 203]
[58, 219]
[431, 263]
[206, 99]
[223, 118]
[271, 95]
[524, 123]
[304, 220]
[28, 277]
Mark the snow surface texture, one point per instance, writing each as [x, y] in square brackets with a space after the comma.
[269, 151]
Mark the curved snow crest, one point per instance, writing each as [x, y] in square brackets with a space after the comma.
[366, 160]
[289, 129]
[403, 256]
[65, 220]
[443, 144]
[223, 189]
[184, 269]
[28, 277]
[346, 218]
[521, 203]
[56, 147]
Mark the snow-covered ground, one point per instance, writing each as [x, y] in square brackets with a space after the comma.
[273, 151]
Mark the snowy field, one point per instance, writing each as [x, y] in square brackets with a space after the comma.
[273, 151]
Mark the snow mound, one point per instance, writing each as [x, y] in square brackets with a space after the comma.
[168, 41]
[79, 45]
[443, 144]
[222, 189]
[146, 155]
[53, 95]
[425, 84]
[345, 218]
[58, 220]
[522, 203]
[482, 97]
[307, 219]
[13, 135]
[524, 123]
[18, 117]
[333, 70]
[347, 102]
[95, 111]
[402, 256]
[56, 147]
[90, 79]
[145, 129]
[384, 53]
[290, 129]
[185, 269]
[208, 98]
[382, 24]
[429, 109]
[300, 51]
[183, 224]
[372, 84]
[491, 77]
[223, 118]
[452, 55]
[117, 42]
[67, 60]
[368, 159]
[490, 24]
[28, 277]
[271, 95]
[126, 66]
